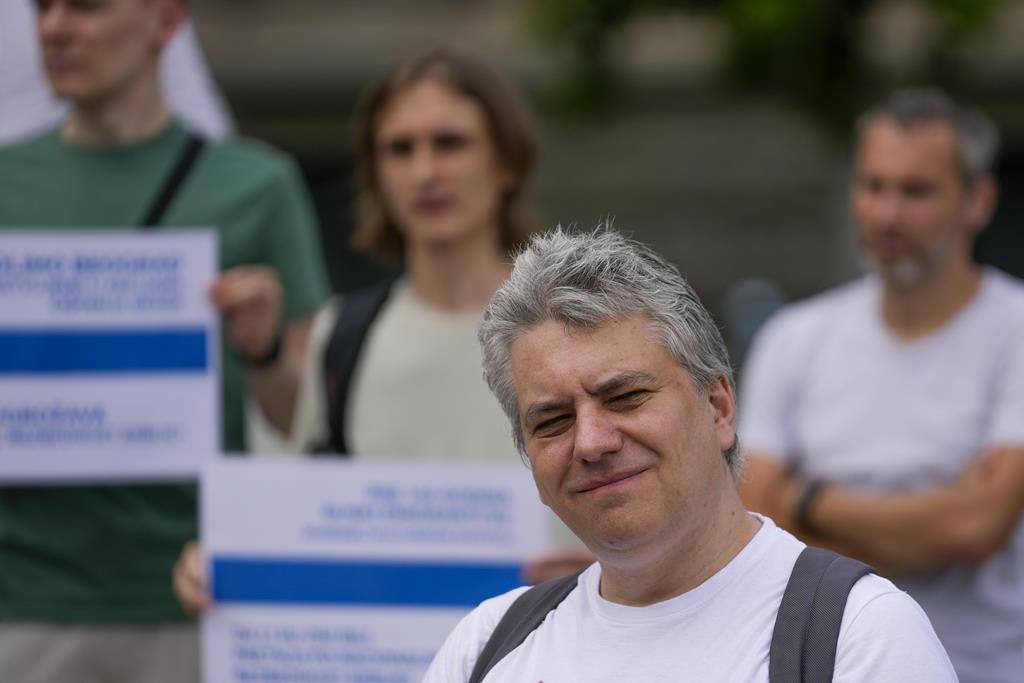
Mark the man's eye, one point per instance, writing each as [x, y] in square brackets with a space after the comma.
[551, 426]
[918, 190]
[630, 398]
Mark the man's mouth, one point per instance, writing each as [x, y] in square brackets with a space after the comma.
[610, 481]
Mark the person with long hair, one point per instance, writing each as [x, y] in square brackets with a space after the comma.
[444, 147]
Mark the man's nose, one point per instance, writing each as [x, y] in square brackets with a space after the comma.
[888, 209]
[51, 20]
[596, 435]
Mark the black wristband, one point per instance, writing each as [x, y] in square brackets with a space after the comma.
[273, 353]
[802, 511]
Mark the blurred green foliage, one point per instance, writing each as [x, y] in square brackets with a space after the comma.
[809, 50]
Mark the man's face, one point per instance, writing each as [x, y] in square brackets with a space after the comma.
[94, 50]
[915, 214]
[437, 165]
[623, 446]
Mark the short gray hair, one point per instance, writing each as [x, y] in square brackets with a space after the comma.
[585, 280]
[976, 135]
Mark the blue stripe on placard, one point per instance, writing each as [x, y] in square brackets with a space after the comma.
[333, 582]
[102, 351]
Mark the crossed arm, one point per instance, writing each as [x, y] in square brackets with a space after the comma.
[965, 522]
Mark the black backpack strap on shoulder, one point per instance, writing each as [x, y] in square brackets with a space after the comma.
[806, 631]
[523, 617]
[358, 311]
[158, 206]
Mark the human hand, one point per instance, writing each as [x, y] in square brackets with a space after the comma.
[251, 300]
[188, 579]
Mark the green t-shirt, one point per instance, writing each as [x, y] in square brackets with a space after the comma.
[104, 553]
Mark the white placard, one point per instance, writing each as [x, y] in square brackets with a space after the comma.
[109, 355]
[350, 571]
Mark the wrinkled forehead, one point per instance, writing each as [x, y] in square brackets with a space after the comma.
[550, 346]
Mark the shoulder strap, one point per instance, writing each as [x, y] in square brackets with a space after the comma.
[358, 311]
[193, 146]
[806, 634]
[522, 618]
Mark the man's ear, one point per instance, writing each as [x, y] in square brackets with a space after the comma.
[723, 405]
[984, 196]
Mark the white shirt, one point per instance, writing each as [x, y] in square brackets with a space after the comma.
[718, 632]
[829, 388]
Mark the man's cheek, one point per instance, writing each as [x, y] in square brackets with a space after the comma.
[542, 490]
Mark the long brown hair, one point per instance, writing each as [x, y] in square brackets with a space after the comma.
[511, 126]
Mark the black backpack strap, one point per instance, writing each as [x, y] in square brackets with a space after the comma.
[806, 631]
[523, 617]
[158, 206]
[358, 311]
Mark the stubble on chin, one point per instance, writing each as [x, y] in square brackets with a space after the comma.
[910, 271]
[904, 274]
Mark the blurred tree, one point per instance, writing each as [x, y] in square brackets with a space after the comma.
[809, 50]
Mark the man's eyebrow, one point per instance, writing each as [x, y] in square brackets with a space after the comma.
[621, 381]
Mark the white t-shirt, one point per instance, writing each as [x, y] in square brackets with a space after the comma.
[417, 390]
[27, 106]
[720, 631]
[828, 388]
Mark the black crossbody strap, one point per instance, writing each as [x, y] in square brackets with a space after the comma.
[522, 618]
[158, 206]
[806, 633]
[358, 311]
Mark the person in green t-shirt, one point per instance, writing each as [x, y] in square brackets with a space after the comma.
[84, 590]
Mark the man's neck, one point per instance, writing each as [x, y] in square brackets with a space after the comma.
[133, 116]
[654, 575]
[914, 312]
[457, 276]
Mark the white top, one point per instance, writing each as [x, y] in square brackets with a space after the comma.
[27, 106]
[718, 632]
[417, 390]
[828, 387]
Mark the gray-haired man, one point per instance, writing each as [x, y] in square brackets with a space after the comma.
[620, 394]
[885, 418]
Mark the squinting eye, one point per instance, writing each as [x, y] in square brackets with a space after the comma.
[630, 398]
[550, 426]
